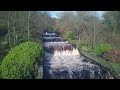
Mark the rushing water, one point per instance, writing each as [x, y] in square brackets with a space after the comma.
[63, 61]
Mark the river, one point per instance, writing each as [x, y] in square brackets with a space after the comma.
[62, 60]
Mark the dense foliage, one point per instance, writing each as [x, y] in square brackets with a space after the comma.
[52, 28]
[101, 49]
[70, 36]
[20, 61]
[17, 27]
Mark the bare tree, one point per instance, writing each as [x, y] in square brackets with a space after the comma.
[28, 25]
[9, 39]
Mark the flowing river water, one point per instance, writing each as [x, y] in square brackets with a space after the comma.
[62, 60]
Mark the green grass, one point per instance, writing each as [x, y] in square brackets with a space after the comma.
[101, 48]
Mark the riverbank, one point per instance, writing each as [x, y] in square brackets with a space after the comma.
[113, 67]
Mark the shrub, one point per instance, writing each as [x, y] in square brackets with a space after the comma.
[20, 61]
[112, 55]
[101, 49]
[70, 36]
[52, 28]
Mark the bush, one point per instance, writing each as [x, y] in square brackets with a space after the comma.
[101, 49]
[52, 28]
[20, 61]
[112, 55]
[70, 36]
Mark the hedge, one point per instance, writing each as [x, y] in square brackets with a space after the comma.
[20, 61]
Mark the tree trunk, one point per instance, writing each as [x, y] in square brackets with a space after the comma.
[79, 37]
[28, 26]
[94, 39]
[9, 39]
[14, 23]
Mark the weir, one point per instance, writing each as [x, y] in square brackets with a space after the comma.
[62, 60]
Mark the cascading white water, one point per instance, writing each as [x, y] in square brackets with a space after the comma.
[69, 64]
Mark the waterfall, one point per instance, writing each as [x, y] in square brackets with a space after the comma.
[63, 61]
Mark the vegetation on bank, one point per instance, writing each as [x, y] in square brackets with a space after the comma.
[101, 49]
[17, 27]
[20, 61]
[70, 36]
[52, 28]
[113, 67]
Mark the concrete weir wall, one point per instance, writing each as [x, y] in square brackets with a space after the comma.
[61, 48]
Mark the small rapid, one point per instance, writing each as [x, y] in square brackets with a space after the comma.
[62, 60]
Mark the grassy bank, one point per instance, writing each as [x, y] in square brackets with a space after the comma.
[112, 66]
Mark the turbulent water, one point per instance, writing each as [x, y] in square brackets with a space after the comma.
[63, 61]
